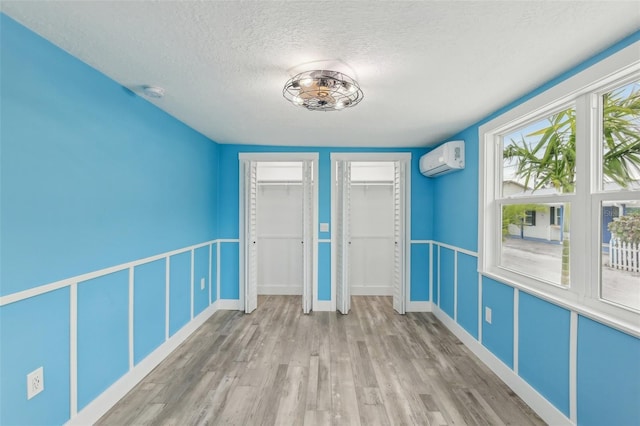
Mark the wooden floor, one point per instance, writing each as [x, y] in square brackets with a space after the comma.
[277, 366]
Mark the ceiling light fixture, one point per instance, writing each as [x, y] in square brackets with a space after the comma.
[322, 90]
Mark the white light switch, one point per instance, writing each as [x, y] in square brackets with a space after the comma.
[324, 227]
[487, 314]
[202, 283]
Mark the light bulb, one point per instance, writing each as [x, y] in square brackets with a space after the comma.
[351, 88]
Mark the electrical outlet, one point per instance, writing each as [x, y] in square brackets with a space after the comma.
[201, 283]
[487, 314]
[35, 382]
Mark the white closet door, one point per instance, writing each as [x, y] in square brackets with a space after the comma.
[398, 237]
[343, 240]
[251, 237]
[307, 235]
[347, 234]
[339, 237]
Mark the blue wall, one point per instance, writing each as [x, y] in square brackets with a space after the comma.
[179, 291]
[543, 348]
[468, 293]
[419, 272]
[91, 176]
[214, 272]
[435, 276]
[200, 272]
[149, 308]
[498, 336]
[39, 339]
[447, 276]
[608, 377]
[229, 271]
[456, 212]
[324, 271]
[103, 334]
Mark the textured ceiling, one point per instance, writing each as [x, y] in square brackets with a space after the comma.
[427, 69]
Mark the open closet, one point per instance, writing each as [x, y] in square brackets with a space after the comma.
[372, 242]
[370, 217]
[278, 213]
[279, 228]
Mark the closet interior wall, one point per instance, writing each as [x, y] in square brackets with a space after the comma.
[371, 252]
[279, 229]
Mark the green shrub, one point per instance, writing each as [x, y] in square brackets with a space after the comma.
[626, 228]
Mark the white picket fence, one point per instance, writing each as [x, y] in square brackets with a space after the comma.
[625, 256]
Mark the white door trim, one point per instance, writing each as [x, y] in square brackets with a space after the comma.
[250, 226]
[373, 156]
[308, 248]
[276, 156]
[342, 227]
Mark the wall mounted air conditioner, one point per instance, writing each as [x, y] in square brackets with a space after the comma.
[446, 158]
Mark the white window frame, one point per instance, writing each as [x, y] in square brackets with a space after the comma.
[557, 215]
[582, 90]
[529, 214]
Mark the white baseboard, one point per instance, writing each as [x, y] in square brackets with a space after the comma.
[537, 402]
[419, 307]
[280, 290]
[326, 305]
[230, 305]
[322, 305]
[361, 290]
[103, 403]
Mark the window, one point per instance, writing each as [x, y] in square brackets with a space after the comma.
[555, 215]
[538, 162]
[530, 250]
[560, 189]
[530, 217]
[619, 158]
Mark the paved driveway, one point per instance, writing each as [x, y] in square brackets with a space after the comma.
[544, 260]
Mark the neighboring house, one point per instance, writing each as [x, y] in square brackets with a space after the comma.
[545, 222]
[611, 213]
[542, 223]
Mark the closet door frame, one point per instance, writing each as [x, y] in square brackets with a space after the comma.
[403, 157]
[245, 158]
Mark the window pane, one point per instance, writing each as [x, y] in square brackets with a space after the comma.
[621, 138]
[620, 254]
[530, 217]
[539, 158]
[535, 240]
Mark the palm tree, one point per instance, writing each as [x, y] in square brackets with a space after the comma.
[550, 161]
[621, 136]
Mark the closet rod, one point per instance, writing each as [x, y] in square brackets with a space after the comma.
[372, 182]
[279, 182]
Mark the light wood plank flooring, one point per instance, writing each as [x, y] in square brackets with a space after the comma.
[277, 366]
